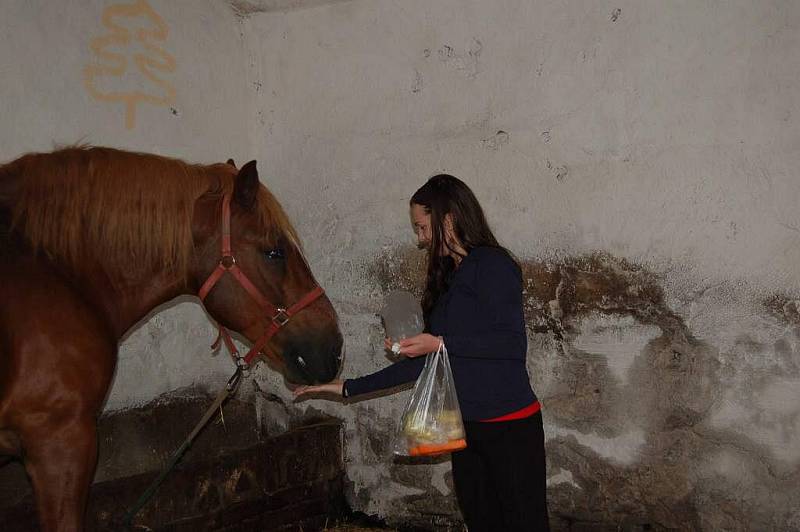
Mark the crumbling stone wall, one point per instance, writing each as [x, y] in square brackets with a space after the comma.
[632, 399]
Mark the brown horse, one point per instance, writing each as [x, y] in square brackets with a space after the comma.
[92, 239]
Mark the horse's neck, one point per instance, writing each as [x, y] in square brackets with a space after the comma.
[123, 305]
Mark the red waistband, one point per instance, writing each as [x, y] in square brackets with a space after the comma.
[528, 411]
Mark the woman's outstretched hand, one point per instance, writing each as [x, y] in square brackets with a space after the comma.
[331, 388]
[418, 345]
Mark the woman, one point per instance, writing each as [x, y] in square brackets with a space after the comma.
[473, 303]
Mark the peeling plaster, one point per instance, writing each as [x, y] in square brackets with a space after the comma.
[562, 477]
[623, 450]
[620, 340]
[771, 419]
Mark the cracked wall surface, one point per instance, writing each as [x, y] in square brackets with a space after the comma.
[640, 158]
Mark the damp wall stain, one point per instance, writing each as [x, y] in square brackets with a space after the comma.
[630, 401]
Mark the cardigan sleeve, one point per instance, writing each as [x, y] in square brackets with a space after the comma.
[401, 372]
[498, 286]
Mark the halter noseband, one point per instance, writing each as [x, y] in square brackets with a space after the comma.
[278, 316]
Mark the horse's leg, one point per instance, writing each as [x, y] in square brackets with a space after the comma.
[57, 358]
[61, 465]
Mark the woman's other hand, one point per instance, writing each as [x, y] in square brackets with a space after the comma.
[418, 345]
[331, 388]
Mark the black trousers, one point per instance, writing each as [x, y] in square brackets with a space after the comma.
[500, 478]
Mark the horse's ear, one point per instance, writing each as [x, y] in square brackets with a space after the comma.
[230, 162]
[245, 189]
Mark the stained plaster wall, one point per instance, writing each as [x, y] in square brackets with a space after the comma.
[638, 156]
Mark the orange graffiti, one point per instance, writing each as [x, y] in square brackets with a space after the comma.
[150, 63]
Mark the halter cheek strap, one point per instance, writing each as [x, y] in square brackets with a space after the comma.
[278, 316]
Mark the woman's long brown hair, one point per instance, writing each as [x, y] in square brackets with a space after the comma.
[441, 195]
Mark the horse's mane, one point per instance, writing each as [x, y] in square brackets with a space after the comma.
[124, 210]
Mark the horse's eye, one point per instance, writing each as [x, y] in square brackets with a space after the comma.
[274, 254]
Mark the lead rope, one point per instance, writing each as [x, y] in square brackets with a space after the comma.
[226, 392]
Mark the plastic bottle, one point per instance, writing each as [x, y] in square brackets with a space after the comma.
[402, 317]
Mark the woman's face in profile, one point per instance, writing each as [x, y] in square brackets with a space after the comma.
[421, 223]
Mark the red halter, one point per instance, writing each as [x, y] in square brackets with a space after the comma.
[278, 316]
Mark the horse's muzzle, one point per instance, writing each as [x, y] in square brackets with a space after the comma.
[310, 362]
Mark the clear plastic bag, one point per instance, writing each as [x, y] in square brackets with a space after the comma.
[431, 422]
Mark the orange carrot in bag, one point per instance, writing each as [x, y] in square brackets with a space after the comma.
[438, 448]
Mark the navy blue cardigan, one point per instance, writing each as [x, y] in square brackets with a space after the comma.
[481, 320]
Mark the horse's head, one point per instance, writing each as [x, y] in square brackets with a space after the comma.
[264, 283]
